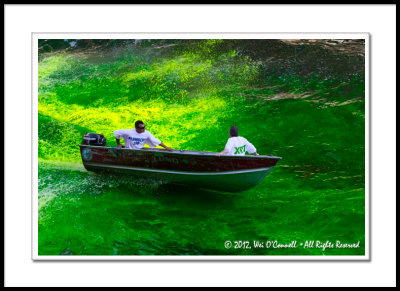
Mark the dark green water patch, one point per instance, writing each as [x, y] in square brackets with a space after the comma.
[82, 213]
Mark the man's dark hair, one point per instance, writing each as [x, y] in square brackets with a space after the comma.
[137, 123]
[234, 131]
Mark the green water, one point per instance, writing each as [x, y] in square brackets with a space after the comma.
[189, 96]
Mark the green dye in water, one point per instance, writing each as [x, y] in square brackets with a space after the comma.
[189, 102]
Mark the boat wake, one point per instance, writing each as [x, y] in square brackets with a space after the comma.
[68, 179]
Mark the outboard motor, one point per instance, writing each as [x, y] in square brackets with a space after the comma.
[94, 139]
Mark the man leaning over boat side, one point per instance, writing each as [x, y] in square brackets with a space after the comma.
[237, 145]
[137, 137]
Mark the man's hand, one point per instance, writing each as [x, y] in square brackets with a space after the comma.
[224, 152]
[167, 148]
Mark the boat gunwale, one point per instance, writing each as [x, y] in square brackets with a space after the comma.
[185, 152]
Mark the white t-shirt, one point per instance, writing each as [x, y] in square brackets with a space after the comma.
[135, 140]
[238, 145]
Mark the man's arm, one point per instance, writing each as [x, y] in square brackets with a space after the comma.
[118, 134]
[167, 148]
[154, 142]
[250, 148]
[118, 143]
[226, 149]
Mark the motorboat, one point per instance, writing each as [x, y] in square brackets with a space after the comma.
[209, 170]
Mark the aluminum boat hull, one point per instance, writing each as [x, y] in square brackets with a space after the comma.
[199, 169]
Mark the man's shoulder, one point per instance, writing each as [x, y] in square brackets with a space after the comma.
[126, 129]
[147, 133]
[123, 131]
[130, 130]
[237, 138]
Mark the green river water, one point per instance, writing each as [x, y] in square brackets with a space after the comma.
[189, 96]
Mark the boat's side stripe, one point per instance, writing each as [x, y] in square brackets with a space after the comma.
[179, 172]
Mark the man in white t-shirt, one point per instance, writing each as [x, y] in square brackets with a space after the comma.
[137, 137]
[237, 145]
